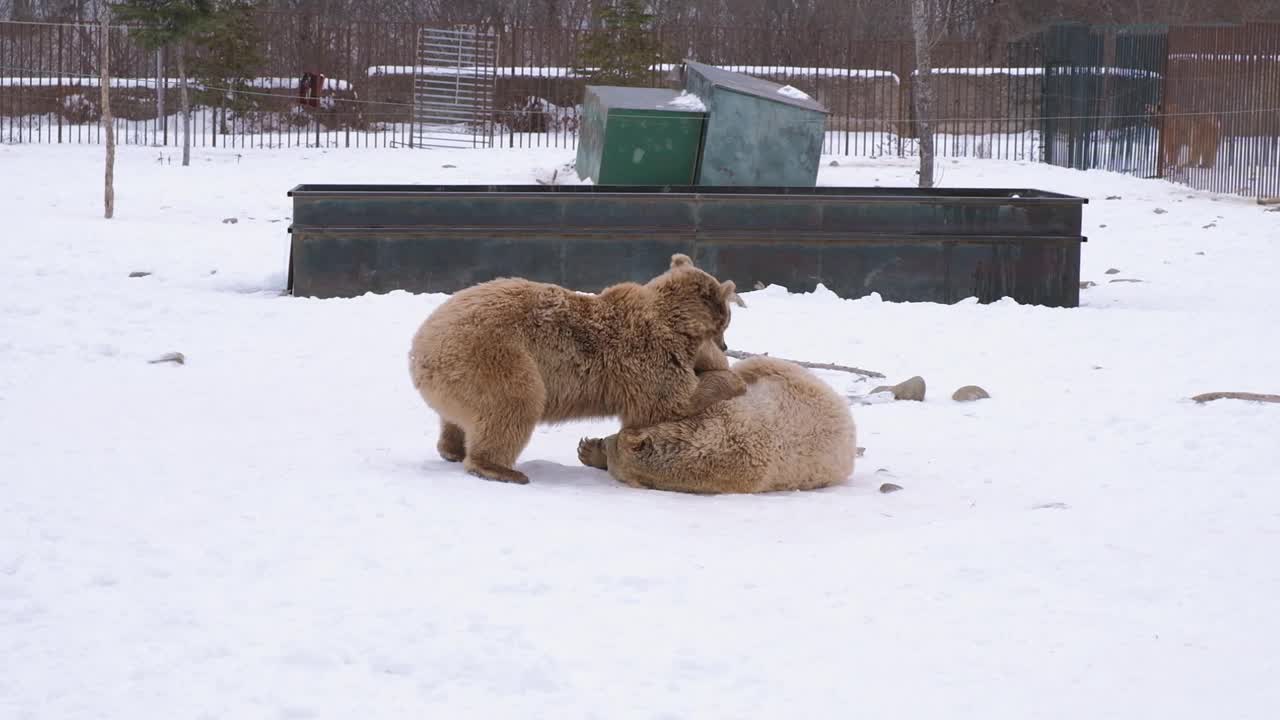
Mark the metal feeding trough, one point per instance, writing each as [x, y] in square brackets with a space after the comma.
[908, 244]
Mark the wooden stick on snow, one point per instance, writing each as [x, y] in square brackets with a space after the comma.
[1252, 397]
[740, 355]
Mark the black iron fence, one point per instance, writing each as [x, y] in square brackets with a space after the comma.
[1102, 92]
[1196, 105]
[1221, 109]
[49, 87]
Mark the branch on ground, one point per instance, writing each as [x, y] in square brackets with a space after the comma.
[1251, 397]
[740, 355]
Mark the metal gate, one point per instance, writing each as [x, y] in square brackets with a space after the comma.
[454, 84]
[1101, 97]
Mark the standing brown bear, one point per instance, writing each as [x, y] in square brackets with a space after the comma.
[499, 357]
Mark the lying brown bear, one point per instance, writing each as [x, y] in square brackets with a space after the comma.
[789, 431]
[498, 358]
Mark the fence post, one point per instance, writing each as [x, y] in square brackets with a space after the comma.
[351, 79]
[1162, 104]
[906, 116]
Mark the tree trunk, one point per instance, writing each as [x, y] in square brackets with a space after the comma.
[104, 81]
[160, 92]
[186, 105]
[922, 88]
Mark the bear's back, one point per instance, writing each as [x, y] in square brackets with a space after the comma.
[810, 431]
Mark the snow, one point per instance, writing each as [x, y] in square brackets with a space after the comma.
[502, 71]
[559, 71]
[794, 93]
[267, 532]
[686, 101]
[1233, 57]
[800, 71]
[1017, 71]
[263, 83]
[291, 83]
[1056, 69]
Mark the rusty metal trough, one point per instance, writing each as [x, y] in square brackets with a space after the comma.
[908, 244]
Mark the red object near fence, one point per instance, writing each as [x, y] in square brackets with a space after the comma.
[309, 87]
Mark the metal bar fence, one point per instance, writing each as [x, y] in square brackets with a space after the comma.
[1222, 126]
[1196, 105]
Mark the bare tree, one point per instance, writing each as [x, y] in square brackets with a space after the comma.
[184, 96]
[168, 24]
[104, 80]
[162, 82]
[925, 15]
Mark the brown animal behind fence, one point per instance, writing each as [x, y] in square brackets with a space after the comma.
[1221, 115]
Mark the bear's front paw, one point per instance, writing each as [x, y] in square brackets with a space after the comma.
[735, 384]
[723, 385]
[591, 453]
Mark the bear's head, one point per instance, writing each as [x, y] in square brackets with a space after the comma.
[645, 456]
[629, 455]
[694, 302]
[636, 441]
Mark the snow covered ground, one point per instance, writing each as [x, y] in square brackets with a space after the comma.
[267, 532]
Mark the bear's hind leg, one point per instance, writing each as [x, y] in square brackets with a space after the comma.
[453, 441]
[491, 471]
[496, 440]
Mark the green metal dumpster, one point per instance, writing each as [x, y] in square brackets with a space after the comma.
[758, 132]
[639, 136]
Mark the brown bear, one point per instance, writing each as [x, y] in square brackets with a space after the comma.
[499, 357]
[789, 431]
[1199, 133]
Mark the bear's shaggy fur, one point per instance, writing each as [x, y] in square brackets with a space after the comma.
[789, 431]
[499, 357]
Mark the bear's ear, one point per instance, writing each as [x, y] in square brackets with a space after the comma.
[728, 293]
[635, 441]
[680, 260]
